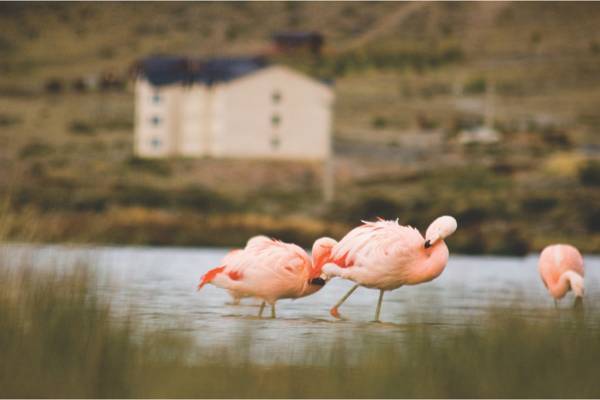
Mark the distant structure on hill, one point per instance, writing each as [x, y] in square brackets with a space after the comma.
[230, 107]
[482, 134]
[289, 42]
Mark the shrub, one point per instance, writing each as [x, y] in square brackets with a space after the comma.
[379, 122]
[475, 86]
[555, 136]
[35, 149]
[539, 204]
[142, 195]
[81, 128]
[154, 167]
[435, 89]
[201, 199]
[8, 120]
[54, 86]
[589, 173]
[592, 220]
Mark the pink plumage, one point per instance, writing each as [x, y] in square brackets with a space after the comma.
[386, 255]
[267, 269]
[561, 270]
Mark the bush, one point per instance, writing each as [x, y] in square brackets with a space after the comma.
[426, 122]
[152, 166]
[554, 136]
[142, 195]
[379, 122]
[8, 120]
[589, 173]
[36, 149]
[201, 199]
[475, 86]
[472, 216]
[81, 128]
[54, 86]
[46, 197]
[435, 89]
[539, 204]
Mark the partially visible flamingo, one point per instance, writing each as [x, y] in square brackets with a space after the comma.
[270, 270]
[561, 269]
[230, 258]
[385, 255]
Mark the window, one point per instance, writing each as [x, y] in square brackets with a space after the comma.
[156, 98]
[155, 120]
[155, 142]
[275, 120]
[276, 96]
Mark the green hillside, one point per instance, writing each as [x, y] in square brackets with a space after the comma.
[409, 77]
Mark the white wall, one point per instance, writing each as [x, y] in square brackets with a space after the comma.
[246, 108]
[154, 119]
[195, 119]
[235, 119]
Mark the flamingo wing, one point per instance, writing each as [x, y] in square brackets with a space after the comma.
[374, 242]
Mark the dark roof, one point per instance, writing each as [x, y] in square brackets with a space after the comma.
[164, 70]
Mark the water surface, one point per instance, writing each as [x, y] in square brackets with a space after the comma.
[158, 286]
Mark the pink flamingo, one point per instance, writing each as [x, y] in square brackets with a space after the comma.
[561, 269]
[270, 270]
[385, 255]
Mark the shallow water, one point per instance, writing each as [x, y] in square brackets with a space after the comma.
[158, 286]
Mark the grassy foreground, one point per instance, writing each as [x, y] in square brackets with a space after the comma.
[58, 339]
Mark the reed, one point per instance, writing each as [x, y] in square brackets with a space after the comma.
[59, 338]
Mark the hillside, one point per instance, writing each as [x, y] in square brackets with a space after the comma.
[408, 78]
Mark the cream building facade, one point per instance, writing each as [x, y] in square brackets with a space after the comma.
[230, 108]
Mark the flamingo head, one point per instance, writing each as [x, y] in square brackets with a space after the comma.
[576, 283]
[440, 229]
[321, 253]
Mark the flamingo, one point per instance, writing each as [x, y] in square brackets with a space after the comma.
[270, 270]
[561, 270]
[385, 255]
[230, 258]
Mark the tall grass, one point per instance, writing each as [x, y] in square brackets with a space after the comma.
[59, 339]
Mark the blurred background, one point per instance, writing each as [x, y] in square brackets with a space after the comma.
[486, 111]
[129, 126]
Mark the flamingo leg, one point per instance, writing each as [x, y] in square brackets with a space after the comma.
[273, 310]
[261, 309]
[334, 310]
[555, 304]
[578, 302]
[378, 310]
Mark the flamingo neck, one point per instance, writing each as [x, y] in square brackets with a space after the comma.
[568, 280]
[433, 263]
[318, 261]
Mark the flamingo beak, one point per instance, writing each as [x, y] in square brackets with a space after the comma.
[317, 281]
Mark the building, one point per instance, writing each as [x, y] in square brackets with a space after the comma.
[230, 108]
